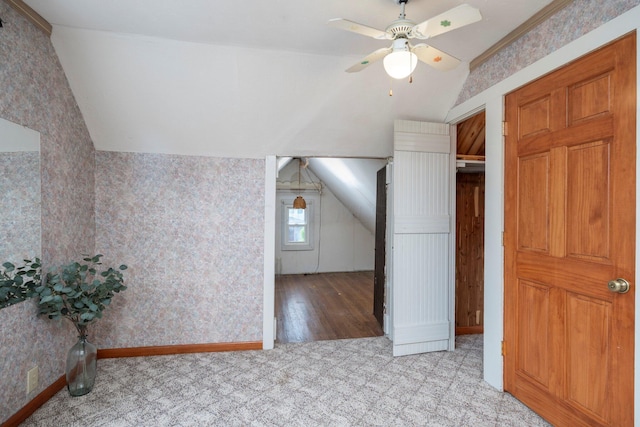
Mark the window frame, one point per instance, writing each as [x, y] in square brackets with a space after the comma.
[285, 245]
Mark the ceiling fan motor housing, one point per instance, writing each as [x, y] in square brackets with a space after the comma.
[400, 28]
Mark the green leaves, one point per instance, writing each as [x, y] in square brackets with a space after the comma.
[76, 291]
[79, 292]
[18, 283]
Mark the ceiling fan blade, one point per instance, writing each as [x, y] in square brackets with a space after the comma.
[345, 24]
[447, 21]
[372, 57]
[435, 57]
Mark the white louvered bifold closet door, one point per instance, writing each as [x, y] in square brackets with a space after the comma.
[421, 290]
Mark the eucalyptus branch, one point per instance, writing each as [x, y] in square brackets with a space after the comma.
[79, 292]
[18, 283]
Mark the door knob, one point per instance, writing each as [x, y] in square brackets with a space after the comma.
[620, 286]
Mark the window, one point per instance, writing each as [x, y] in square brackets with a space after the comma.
[297, 227]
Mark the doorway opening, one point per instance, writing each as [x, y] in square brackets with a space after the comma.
[324, 255]
[470, 158]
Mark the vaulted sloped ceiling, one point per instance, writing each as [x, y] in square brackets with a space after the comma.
[158, 95]
[251, 78]
[471, 136]
[353, 182]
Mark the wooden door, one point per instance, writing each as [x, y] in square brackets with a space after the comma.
[380, 256]
[569, 229]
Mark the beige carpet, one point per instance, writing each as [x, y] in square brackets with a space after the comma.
[353, 382]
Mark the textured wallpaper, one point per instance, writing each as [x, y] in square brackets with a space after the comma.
[34, 92]
[575, 20]
[20, 216]
[191, 230]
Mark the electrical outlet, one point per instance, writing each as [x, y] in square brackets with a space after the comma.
[32, 379]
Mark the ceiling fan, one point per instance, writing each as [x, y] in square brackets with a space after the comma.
[400, 59]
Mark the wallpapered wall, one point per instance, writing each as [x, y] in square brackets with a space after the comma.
[34, 92]
[20, 217]
[575, 20]
[191, 230]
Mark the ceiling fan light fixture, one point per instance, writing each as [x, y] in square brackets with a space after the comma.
[401, 58]
[401, 62]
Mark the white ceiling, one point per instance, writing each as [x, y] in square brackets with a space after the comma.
[254, 77]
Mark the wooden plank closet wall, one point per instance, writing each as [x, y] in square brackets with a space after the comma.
[469, 253]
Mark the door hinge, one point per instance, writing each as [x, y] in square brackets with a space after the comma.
[505, 129]
[503, 349]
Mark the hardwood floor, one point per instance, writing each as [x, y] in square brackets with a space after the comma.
[325, 306]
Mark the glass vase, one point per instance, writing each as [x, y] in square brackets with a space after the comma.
[81, 365]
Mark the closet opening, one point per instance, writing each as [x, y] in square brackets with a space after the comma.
[470, 187]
